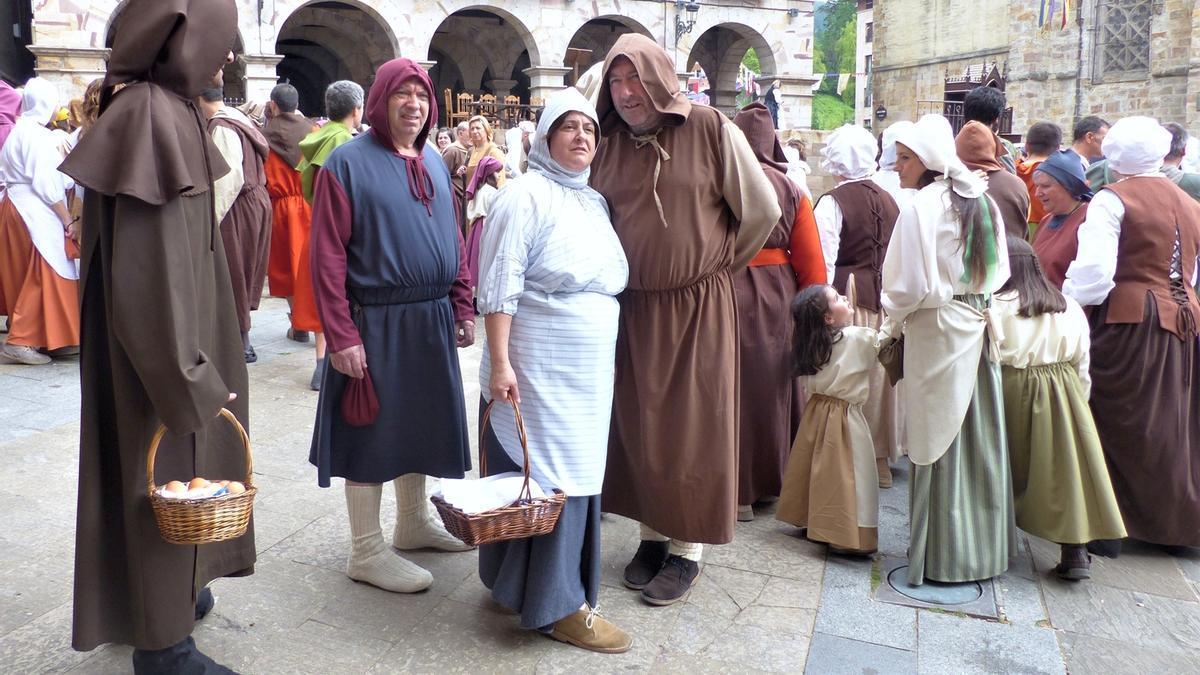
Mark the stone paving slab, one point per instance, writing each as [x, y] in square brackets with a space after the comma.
[953, 645]
[833, 655]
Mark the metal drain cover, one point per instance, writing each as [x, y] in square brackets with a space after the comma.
[974, 598]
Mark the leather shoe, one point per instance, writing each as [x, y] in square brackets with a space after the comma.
[178, 659]
[673, 582]
[1075, 565]
[588, 630]
[251, 355]
[204, 603]
[646, 563]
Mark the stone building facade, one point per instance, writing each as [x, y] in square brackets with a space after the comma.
[501, 47]
[1113, 58]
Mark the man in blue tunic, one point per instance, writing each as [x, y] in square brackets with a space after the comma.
[390, 279]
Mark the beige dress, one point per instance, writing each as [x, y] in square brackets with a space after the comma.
[831, 486]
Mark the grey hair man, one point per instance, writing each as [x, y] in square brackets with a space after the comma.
[344, 108]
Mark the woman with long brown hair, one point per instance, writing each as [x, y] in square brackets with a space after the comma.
[946, 259]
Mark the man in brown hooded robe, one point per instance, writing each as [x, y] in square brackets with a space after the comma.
[678, 178]
[242, 203]
[980, 150]
[160, 340]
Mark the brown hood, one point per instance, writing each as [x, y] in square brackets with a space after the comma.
[284, 133]
[657, 74]
[150, 141]
[755, 122]
[979, 148]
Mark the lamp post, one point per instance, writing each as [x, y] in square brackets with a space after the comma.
[881, 113]
[683, 27]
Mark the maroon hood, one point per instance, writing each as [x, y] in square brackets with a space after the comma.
[388, 79]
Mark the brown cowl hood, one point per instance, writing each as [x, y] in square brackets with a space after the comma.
[755, 122]
[658, 76]
[150, 140]
[979, 148]
[387, 80]
[284, 133]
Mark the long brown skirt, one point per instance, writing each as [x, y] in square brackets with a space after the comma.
[820, 491]
[43, 308]
[246, 233]
[768, 424]
[1146, 403]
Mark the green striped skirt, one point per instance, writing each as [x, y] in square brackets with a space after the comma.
[961, 525]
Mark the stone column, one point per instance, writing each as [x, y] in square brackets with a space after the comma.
[71, 68]
[502, 88]
[260, 75]
[545, 80]
[795, 105]
[427, 65]
[724, 100]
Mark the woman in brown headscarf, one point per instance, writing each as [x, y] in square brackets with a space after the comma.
[160, 336]
[981, 150]
[789, 260]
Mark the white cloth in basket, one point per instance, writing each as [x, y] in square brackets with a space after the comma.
[484, 494]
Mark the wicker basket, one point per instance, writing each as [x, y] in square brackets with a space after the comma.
[526, 517]
[202, 521]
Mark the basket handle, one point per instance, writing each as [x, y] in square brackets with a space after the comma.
[162, 431]
[526, 494]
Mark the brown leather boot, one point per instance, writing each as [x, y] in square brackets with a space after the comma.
[1075, 563]
[588, 630]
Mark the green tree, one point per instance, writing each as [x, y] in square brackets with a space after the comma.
[750, 60]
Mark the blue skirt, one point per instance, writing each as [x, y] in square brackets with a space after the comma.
[422, 423]
[544, 578]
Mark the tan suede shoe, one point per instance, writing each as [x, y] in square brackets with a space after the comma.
[588, 630]
[884, 471]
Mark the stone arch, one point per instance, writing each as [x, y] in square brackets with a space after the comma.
[482, 49]
[719, 50]
[599, 34]
[326, 40]
[234, 73]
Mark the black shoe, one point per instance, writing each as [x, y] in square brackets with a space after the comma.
[1109, 548]
[318, 376]
[178, 659]
[297, 335]
[204, 603]
[646, 563]
[673, 582]
[251, 355]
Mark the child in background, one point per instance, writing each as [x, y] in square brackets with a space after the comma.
[1061, 486]
[831, 486]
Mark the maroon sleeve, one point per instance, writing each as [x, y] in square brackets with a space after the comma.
[460, 291]
[331, 217]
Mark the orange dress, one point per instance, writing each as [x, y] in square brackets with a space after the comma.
[43, 308]
[288, 270]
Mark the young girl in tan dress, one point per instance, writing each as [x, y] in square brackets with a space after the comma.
[831, 487]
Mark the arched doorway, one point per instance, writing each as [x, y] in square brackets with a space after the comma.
[598, 36]
[482, 50]
[719, 51]
[327, 41]
[234, 73]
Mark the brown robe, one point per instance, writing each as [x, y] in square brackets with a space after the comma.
[981, 150]
[769, 395]
[246, 228]
[159, 336]
[1145, 366]
[455, 157]
[672, 461]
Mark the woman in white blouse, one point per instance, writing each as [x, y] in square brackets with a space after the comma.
[945, 260]
[550, 269]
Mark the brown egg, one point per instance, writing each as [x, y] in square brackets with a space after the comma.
[197, 482]
[236, 488]
[176, 486]
[224, 483]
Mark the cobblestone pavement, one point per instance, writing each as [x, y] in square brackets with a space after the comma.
[770, 601]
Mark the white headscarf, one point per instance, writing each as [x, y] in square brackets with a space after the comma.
[558, 104]
[1136, 145]
[39, 100]
[933, 141]
[1191, 156]
[849, 153]
[888, 161]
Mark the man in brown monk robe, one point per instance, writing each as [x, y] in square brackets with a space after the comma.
[456, 155]
[678, 178]
[242, 205]
[159, 336]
